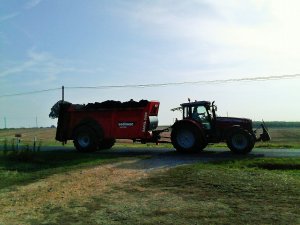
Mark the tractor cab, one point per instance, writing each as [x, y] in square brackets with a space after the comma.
[200, 111]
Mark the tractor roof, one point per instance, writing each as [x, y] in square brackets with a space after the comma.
[196, 103]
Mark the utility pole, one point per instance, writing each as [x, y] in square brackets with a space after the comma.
[63, 93]
[36, 122]
[4, 122]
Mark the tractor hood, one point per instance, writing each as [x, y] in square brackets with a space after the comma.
[232, 121]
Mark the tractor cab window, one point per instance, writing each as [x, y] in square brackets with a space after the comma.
[200, 114]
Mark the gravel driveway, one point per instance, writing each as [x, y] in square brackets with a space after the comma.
[157, 158]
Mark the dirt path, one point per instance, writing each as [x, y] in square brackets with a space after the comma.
[61, 189]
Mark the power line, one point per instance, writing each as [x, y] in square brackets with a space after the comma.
[29, 93]
[219, 81]
[261, 78]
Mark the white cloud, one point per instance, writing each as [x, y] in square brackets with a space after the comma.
[29, 5]
[246, 34]
[8, 16]
[32, 3]
[42, 67]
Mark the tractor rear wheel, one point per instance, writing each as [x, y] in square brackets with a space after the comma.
[85, 139]
[187, 138]
[240, 141]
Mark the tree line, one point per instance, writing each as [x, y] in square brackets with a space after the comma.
[277, 124]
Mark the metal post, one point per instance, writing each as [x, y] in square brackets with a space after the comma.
[34, 143]
[63, 93]
[18, 143]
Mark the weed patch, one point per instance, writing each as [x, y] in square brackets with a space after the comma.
[282, 164]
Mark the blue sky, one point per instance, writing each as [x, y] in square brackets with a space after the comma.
[49, 43]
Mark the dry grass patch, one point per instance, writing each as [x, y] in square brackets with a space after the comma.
[60, 191]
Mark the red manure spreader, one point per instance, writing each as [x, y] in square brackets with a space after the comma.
[96, 126]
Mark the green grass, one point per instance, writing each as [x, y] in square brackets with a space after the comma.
[23, 167]
[246, 191]
[240, 191]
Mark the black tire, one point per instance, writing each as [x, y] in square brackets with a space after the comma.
[85, 139]
[187, 138]
[240, 141]
[107, 144]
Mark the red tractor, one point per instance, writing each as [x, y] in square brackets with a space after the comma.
[200, 126]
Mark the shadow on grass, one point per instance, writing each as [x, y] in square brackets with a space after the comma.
[278, 164]
[23, 167]
[272, 166]
[29, 161]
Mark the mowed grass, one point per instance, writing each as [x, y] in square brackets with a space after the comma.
[245, 191]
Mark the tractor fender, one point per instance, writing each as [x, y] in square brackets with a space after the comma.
[228, 131]
[232, 128]
[97, 128]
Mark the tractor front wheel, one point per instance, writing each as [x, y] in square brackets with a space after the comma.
[240, 141]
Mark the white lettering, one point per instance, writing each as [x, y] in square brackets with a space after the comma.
[125, 124]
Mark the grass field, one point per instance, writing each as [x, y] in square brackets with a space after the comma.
[68, 188]
[45, 135]
[40, 187]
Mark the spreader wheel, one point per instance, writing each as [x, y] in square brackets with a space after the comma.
[85, 139]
